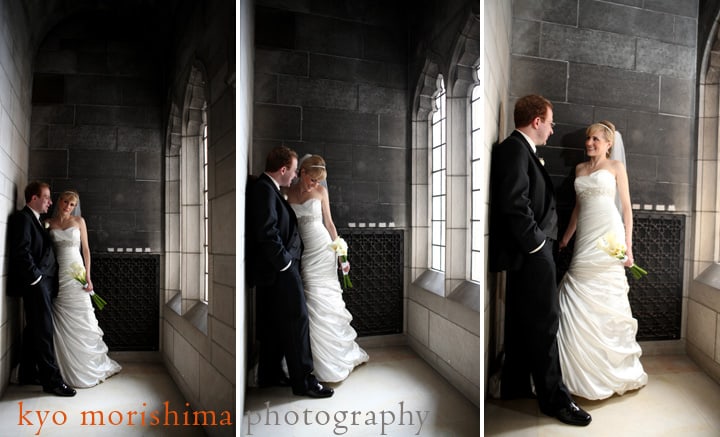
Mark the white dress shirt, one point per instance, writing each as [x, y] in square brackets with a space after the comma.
[37, 217]
[534, 149]
[278, 188]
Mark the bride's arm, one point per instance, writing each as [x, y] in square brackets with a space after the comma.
[327, 217]
[85, 247]
[624, 190]
[572, 226]
[327, 220]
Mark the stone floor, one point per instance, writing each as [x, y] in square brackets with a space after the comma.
[679, 400]
[395, 394]
[142, 387]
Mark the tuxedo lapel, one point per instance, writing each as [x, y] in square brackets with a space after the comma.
[280, 195]
[31, 217]
[535, 159]
[270, 181]
[542, 168]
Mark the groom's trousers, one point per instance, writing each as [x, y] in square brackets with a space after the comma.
[532, 311]
[284, 329]
[38, 350]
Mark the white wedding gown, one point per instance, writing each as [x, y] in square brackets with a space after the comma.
[79, 348]
[332, 340]
[599, 355]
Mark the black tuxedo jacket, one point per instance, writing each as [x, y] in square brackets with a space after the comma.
[273, 236]
[31, 252]
[522, 204]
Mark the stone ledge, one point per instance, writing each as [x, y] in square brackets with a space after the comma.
[710, 276]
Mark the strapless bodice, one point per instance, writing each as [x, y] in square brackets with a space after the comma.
[308, 211]
[600, 183]
[66, 238]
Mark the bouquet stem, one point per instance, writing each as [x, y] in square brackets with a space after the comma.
[346, 277]
[637, 271]
[99, 301]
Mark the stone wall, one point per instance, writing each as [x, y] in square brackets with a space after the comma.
[16, 48]
[703, 304]
[331, 79]
[632, 63]
[703, 321]
[496, 69]
[96, 125]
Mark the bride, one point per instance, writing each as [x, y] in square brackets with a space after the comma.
[599, 355]
[332, 339]
[79, 347]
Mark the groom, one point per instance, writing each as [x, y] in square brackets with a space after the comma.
[274, 256]
[33, 275]
[523, 230]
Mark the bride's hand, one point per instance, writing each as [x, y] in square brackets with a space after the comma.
[630, 259]
[89, 286]
[345, 266]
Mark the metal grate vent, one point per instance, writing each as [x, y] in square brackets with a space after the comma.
[376, 260]
[131, 285]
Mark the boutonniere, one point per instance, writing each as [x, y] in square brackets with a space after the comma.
[46, 225]
[542, 161]
[285, 197]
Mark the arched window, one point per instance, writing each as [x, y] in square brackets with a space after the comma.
[441, 259]
[205, 208]
[187, 212]
[438, 168]
[476, 233]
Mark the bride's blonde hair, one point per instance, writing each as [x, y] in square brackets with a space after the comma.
[314, 166]
[608, 132]
[69, 194]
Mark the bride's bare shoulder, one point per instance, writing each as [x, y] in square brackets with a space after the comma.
[617, 165]
[581, 169]
[78, 220]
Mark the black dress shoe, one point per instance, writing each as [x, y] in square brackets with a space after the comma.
[60, 390]
[317, 391]
[573, 415]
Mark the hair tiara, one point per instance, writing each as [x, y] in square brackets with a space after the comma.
[317, 166]
[606, 127]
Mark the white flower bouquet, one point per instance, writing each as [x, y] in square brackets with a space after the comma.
[340, 247]
[617, 249]
[78, 273]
